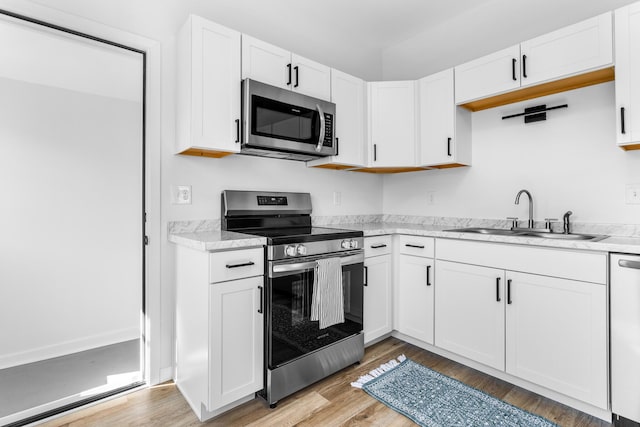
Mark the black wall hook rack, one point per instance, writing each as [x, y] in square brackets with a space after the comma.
[535, 114]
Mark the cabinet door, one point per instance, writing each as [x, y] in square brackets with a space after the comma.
[437, 127]
[393, 125]
[311, 78]
[628, 75]
[570, 50]
[236, 341]
[416, 297]
[266, 63]
[470, 312]
[377, 297]
[209, 87]
[557, 335]
[492, 74]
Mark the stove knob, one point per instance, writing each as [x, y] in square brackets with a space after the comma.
[353, 244]
[345, 244]
[301, 249]
[290, 250]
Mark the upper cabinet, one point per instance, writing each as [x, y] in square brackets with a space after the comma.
[208, 96]
[627, 40]
[575, 56]
[278, 67]
[348, 93]
[392, 125]
[445, 129]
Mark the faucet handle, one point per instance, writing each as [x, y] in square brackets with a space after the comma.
[514, 221]
[548, 222]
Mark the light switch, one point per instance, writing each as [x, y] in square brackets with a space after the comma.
[632, 194]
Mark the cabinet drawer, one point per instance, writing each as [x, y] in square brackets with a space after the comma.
[416, 245]
[231, 265]
[377, 245]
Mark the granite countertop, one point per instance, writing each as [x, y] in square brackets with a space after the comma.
[205, 239]
[216, 240]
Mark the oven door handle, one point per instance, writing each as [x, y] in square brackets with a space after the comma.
[291, 268]
[322, 124]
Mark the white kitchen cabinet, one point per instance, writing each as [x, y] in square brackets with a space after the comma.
[445, 129]
[392, 124]
[273, 65]
[378, 320]
[348, 93]
[208, 95]
[469, 313]
[627, 48]
[219, 328]
[494, 73]
[538, 314]
[556, 335]
[577, 49]
[415, 290]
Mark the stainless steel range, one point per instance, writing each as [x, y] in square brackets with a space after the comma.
[313, 318]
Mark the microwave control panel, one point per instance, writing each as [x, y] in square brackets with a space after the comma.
[328, 130]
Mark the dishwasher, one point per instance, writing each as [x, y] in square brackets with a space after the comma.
[625, 339]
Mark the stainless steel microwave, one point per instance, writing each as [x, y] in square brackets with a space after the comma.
[284, 124]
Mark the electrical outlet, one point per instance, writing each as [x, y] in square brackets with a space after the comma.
[337, 198]
[632, 194]
[431, 197]
[181, 194]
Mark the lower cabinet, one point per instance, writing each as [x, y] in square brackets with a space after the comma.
[415, 297]
[470, 312]
[549, 331]
[556, 335]
[378, 320]
[219, 328]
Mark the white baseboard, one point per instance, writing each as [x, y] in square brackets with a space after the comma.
[37, 354]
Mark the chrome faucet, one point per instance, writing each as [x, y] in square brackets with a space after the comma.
[566, 228]
[530, 222]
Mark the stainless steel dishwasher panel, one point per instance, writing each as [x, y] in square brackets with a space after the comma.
[625, 337]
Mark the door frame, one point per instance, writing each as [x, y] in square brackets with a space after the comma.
[150, 49]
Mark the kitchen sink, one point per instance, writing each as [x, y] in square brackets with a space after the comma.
[530, 233]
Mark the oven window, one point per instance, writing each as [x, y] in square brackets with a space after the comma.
[291, 333]
[276, 119]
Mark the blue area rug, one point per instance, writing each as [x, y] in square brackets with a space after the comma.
[431, 399]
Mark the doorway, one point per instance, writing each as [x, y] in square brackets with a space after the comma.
[72, 253]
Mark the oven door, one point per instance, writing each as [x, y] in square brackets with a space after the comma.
[290, 333]
[281, 120]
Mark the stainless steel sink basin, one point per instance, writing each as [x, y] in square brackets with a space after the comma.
[529, 233]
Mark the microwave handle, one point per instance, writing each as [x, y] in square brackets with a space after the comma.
[321, 137]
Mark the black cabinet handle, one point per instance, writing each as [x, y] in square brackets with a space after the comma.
[237, 130]
[524, 66]
[409, 245]
[337, 146]
[297, 76]
[428, 271]
[498, 289]
[513, 69]
[509, 291]
[244, 264]
[381, 245]
[261, 308]
[375, 152]
[289, 74]
[366, 276]
[622, 129]
[449, 147]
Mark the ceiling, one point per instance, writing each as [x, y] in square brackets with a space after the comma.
[373, 39]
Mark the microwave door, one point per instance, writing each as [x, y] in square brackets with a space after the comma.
[291, 127]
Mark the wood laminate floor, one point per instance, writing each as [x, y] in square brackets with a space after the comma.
[330, 402]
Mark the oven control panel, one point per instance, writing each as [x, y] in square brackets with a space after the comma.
[292, 250]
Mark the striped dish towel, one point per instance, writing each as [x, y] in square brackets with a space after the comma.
[327, 303]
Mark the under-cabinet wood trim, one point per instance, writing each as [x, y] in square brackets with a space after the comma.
[574, 82]
[200, 152]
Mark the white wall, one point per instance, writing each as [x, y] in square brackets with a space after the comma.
[569, 162]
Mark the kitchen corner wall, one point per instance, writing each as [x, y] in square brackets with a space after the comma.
[569, 162]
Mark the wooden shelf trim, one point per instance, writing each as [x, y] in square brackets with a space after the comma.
[543, 89]
[201, 152]
[630, 147]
